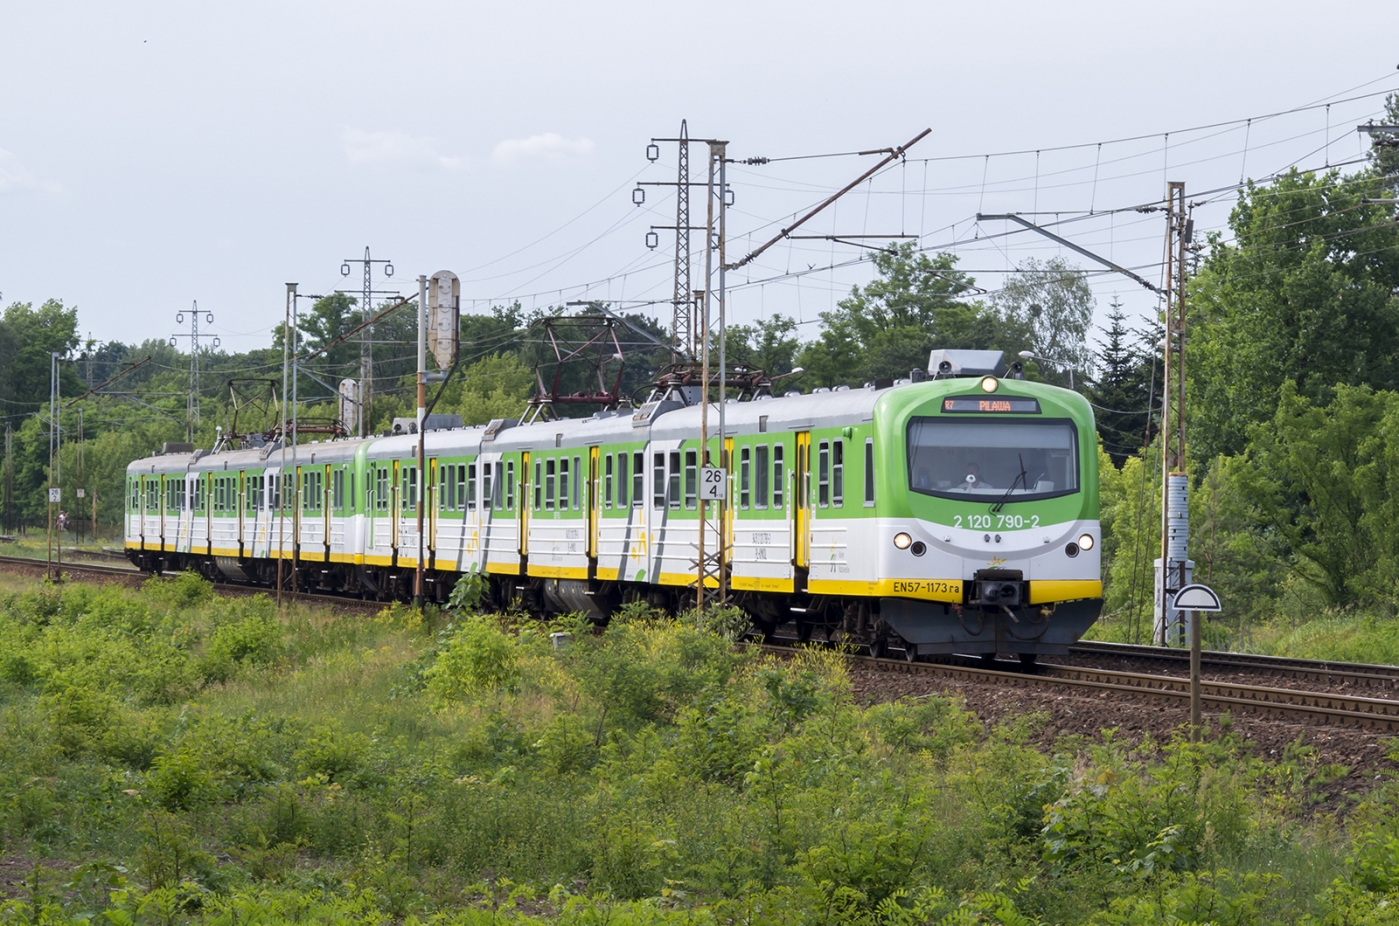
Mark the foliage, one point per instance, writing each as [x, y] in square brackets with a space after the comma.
[647, 773]
[888, 327]
[1050, 305]
[1304, 293]
[1127, 384]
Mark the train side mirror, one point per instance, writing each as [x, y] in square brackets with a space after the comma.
[1017, 370]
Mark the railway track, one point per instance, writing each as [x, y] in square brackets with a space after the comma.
[1351, 674]
[1290, 704]
[130, 572]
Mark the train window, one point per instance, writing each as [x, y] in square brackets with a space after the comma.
[607, 481]
[869, 472]
[745, 478]
[623, 481]
[550, 475]
[538, 485]
[488, 500]
[509, 485]
[199, 487]
[761, 476]
[352, 492]
[638, 478]
[577, 475]
[993, 459]
[447, 487]
[691, 480]
[273, 496]
[779, 477]
[563, 483]
[673, 489]
[337, 489]
[838, 473]
[381, 489]
[470, 486]
[658, 481]
[823, 474]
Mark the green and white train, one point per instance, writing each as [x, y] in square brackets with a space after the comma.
[958, 514]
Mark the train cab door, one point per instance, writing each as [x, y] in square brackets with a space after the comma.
[161, 499]
[326, 513]
[523, 499]
[590, 498]
[240, 499]
[801, 500]
[394, 514]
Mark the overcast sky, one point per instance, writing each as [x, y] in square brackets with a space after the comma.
[153, 154]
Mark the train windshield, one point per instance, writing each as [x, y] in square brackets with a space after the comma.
[992, 459]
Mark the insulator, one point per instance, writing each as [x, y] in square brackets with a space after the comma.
[217, 342]
[344, 270]
[388, 270]
[638, 195]
[172, 340]
[728, 195]
[179, 318]
[653, 152]
[652, 240]
[208, 318]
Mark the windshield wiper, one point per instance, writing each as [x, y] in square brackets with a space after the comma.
[1021, 479]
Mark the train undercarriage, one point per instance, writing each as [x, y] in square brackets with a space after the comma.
[880, 626]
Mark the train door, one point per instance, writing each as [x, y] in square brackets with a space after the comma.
[326, 513]
[801, 499]
[240, 499]
[161, 499]
[725, 530]
[590, 499]
[524, 501]
[432, 497]
[207, 481]
[394, 492]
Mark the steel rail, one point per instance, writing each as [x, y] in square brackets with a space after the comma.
[1320, 670]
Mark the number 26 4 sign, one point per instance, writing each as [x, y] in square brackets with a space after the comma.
[714, 484]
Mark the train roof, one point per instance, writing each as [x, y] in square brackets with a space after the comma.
[665, 420]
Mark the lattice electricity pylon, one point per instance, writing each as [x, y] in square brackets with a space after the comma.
[598, 351]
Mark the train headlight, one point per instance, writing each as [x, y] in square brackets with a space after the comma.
[990, 384]
[1085, 542]
[902, 540]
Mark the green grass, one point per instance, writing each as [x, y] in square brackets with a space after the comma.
[188, 758]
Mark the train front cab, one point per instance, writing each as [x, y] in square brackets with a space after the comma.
[989, 538]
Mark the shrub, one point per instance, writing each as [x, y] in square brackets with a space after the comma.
[479, 657]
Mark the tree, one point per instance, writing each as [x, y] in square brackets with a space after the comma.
[1122, 392]
[330, 317]
[887, 328]
[1305, 293]
[1051, 305]
[28, 337]
[769, 345]
[1325, 479]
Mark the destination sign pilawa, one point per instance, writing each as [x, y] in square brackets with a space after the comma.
[981, 405]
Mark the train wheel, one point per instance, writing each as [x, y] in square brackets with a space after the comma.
[987, 660]
[879, 648]
[1029, 661]
[911, 652]
[803, 632]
